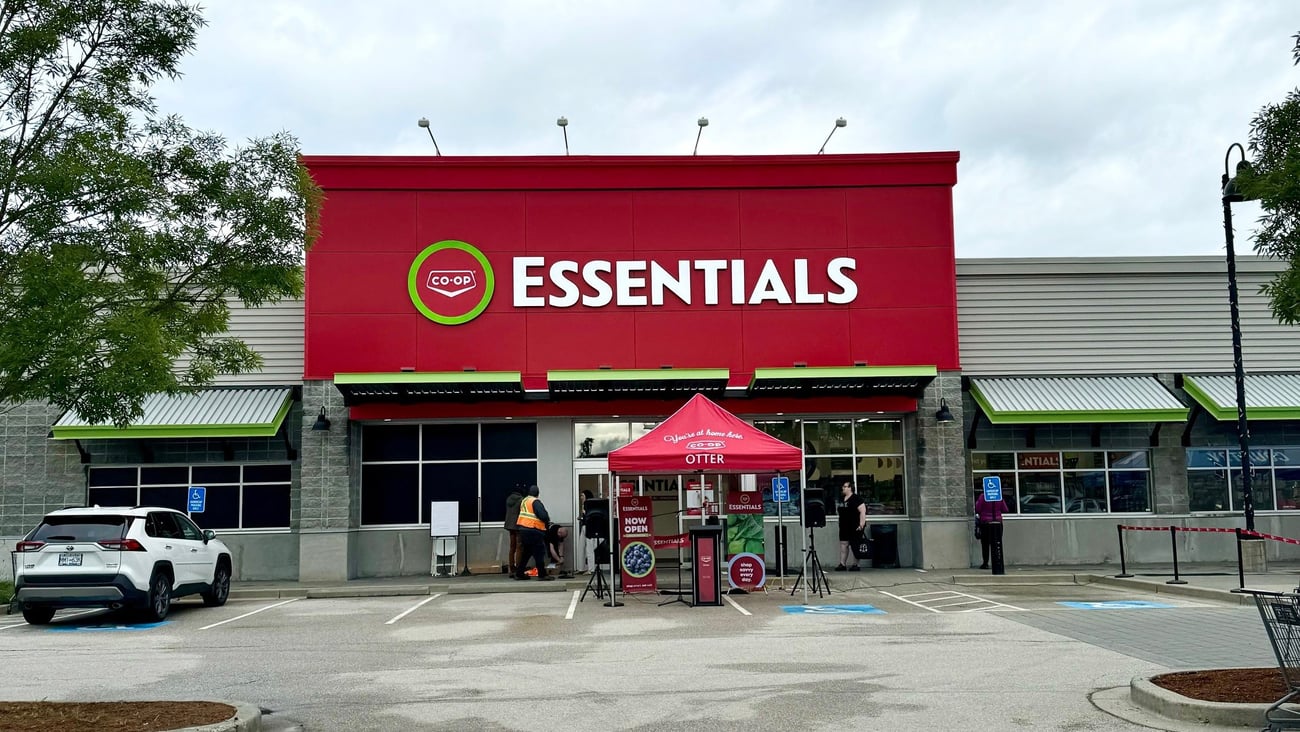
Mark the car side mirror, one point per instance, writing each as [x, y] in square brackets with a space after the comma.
[208, 535]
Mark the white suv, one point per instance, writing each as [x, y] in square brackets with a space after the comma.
[118, 557]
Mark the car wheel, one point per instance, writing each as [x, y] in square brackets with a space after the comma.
[38, 615]
[220, 588]
[160, 598]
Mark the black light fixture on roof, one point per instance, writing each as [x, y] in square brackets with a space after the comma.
[322, 422]
[424, 122]
[563, 124]
[944, 414]
[839, 122]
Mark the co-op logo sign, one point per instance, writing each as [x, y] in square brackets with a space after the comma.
[706, 445]
[451, 282]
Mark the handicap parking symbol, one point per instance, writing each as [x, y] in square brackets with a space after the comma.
[105, 626]
[1116, 605]
[832, 610]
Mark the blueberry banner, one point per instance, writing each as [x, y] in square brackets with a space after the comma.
[636, 536]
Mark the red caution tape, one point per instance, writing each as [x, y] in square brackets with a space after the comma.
[1144, 528]
[1205, 529]
[1259, 535]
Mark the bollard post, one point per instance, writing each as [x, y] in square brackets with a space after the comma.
[1241, 570]
[1173, 540]
[1123, 565]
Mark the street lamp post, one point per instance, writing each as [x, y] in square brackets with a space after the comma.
[1231, 196]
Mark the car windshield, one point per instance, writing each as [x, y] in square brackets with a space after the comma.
[81, 528]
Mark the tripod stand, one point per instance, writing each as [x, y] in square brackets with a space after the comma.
[811, 561]
[597, 585]
[680, 592]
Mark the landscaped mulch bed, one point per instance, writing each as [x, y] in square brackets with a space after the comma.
[110, 716]
[1239, 685]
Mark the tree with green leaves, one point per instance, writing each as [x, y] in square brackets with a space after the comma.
[1273, 178]
[124, 234]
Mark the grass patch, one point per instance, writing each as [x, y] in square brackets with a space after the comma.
[6, 592]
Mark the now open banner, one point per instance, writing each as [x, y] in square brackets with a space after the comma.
[635, 543]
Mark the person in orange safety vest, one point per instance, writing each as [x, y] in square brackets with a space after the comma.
[532, 523]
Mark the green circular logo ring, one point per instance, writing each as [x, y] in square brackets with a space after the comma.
[413, 282]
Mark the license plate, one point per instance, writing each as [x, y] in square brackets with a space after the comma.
[67, 559]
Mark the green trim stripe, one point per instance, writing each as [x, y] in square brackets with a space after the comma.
[162, 431]
[1228, 412]
[429, 377]
[1073, 416]
[843, 372]
[638, 375]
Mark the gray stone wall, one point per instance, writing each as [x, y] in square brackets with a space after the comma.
[327, 494]
[942, 477]
[37, 474]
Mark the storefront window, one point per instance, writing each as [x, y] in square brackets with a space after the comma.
[237, 496]
[1273, 479]
[596, 439]
[1081, 481]
[475, 465]
[865, 451]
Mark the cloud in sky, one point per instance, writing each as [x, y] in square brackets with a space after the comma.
[1085, 128]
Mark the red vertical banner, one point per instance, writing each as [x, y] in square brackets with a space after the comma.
[635, 539]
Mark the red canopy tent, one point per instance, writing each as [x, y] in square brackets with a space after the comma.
[701, 437]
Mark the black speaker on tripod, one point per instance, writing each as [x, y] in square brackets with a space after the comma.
[595, 518]
[814, 509]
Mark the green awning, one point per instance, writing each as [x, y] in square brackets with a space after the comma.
[249, 412]
[424, 386]
[1268, 396]
[1076, 400]
[598, 383]
[907, 381]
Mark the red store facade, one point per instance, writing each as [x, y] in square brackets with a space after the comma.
[476, 323]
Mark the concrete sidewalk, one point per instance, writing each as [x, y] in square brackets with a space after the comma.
[1202, 580]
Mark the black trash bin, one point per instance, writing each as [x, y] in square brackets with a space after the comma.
[884, 546]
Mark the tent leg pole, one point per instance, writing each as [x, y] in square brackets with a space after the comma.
[803, 519]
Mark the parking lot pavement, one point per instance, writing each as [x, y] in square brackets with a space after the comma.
[542, 661]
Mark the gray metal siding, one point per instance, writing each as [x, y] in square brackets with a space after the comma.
[275, 331]
[1115, 315]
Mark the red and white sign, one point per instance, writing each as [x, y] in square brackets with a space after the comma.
[739, 263]
[636, 544]
[635, 516]
[746, 571]
[707, 559]
[626, 489]
[676, 541]
[744, 502]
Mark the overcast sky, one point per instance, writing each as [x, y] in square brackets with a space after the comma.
[1085, 128]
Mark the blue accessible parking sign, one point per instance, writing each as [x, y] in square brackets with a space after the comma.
[198, 496]
[992, 488]
[781, 490]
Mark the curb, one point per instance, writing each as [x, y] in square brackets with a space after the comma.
[1200, 593]
[1176, 706]
[1057, 578]
[302, 593]
[248, 718]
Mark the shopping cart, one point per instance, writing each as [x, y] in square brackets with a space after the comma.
[1281, 614]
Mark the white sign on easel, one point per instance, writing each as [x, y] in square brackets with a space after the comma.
[444, 527]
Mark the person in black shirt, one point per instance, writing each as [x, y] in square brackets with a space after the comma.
[853, 521]
[555, 536]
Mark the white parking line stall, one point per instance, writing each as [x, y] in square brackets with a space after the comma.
[951, 601]
[248, 614]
